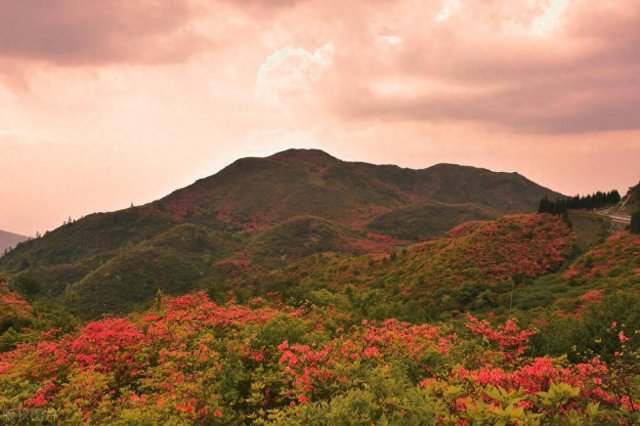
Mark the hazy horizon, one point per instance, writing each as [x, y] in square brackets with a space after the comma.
[110, 103]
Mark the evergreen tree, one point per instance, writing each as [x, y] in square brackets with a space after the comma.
[592, 201]
[634, 227]
[543, 207]
[566, 219]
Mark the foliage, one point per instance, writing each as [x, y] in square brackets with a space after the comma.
[188, 360]
[616, 261]
[591, 201]
[634, 226]
[472, 267]
[15, 311]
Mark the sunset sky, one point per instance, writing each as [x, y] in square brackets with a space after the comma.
[105, 103]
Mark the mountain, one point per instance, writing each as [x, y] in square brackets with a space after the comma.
[255, 192]
[9, 240]
[257, 215]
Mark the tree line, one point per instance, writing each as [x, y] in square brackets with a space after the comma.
[592, 201]
[600, 199]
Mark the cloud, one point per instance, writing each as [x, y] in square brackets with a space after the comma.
[449, 8]
[79, 32]
[551, 66]
[391, 39]
[549, 20]
[291, 70]
[526, 66]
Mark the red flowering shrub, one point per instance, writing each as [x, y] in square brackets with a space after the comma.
[509, 338]
[308, 368]
[13, 307]
[615, 260]
[592, 296]
[190, 361]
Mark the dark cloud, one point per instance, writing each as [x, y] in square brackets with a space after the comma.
[482, 64]
[584, 77]
[80, 32]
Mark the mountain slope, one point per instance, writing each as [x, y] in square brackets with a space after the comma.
[468, 267]
[255, 214]
[429, 219]
[9, 240]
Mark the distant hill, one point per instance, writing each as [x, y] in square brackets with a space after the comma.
[9, 240]
[256, 215]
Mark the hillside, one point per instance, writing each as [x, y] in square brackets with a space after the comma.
[630, 203]
[254, 216]
[471, 267]
[9, 240]
[496, 322]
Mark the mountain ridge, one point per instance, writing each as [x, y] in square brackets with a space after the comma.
[9, 240]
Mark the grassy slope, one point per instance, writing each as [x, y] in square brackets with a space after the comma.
[590, 229]
[428, 220]
[476, 267]
[173, 262]
[611, 267]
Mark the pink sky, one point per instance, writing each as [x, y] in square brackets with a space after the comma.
[111, 102]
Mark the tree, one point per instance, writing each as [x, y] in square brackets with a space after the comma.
[543, 207]
[566, 219]
[27, 285]
[634, 227]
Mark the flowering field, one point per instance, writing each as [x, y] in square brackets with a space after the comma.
[188, 360]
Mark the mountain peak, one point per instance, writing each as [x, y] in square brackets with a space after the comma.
[307, 155]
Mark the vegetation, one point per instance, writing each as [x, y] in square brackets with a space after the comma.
[474, 266]
[428, 220]
[591, 201]
[190, 361]
[634, 227]
[590, 228]
[245, 315]
[630, 203]
[326, 348]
